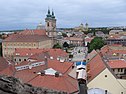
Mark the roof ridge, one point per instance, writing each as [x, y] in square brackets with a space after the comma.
[68, 69]
[69, 81]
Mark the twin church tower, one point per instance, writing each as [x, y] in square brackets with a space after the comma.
[50, 24]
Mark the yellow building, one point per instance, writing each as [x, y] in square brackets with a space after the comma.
[101, 76]
[82, 28]
[26, 39]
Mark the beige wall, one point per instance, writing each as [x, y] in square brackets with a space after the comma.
[119, 71]
[8, 48]
[109, 83]
[46, 44]
[19, 59]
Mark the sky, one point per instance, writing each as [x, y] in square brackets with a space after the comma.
[22, 14]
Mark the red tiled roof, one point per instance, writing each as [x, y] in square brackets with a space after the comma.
[28, 74]
[105, 49]
[57, 65]
[88, 39]
[25, 38]
[91, 55]
[96, 66]
[117, 63]
[114, 37]
[10, 70]
[33, 32]
[26, 51]
[116, 45]
[119, 51]
[3, 63]
[73, 38]
[109, 51]
[34, 53]
[62, 83]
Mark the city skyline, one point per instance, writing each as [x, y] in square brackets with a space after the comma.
[21, 14]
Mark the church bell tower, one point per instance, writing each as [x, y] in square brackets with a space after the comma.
[50, 24]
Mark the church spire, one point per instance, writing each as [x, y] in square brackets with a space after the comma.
[48, 15]
[53, 16]
[48, 11]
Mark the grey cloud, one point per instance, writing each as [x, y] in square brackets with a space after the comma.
[20, 14]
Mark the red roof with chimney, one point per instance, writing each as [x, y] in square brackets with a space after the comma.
[62, 83]
[34, 53]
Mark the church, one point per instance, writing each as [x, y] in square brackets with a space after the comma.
[41, 37]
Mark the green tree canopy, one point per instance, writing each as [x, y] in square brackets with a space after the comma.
[57, 45]
[65, 44]
[96, 43]
[64, 34]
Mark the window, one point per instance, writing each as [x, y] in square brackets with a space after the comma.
[24, 59]
[118, 70]
[106, 91]
[14, 59]
[113, 70]
[121, 70]
[105, 75]
[48, 24]
[19, 59]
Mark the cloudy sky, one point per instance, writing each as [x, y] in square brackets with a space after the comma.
[21, 14]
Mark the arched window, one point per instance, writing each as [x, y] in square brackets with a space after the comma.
[48, 24]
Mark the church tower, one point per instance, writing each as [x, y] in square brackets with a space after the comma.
[86, 26]
[50, 25]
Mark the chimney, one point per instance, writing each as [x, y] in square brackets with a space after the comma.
[57, 74]
[72, 66]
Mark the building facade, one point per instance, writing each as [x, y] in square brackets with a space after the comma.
[10, 44]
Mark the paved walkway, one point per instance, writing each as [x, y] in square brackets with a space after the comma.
[79, 53]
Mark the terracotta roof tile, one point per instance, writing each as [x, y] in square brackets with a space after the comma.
[62, 83]
[91, 55]
[117, 63]
[3, 63]
[73, 38]
[88, 39]
[25, 38]
[34, 53]
[96, 66]
[33, 32]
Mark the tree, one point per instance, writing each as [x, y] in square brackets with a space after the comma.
[96, 43]
[64, 35]
[65, 44]
[57, 46]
